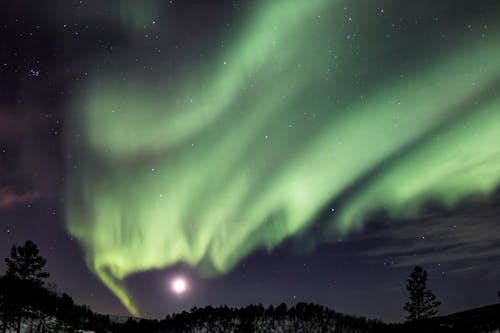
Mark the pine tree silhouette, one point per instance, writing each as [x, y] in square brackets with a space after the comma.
[422, 303]
[23, 279]
[26, 264]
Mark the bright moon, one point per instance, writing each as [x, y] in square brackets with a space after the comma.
[178, 285]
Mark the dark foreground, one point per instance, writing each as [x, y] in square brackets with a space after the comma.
[26, 307]
[307, 318]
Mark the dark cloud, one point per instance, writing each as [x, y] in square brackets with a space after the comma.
[464, 240]
[10, 199]
[29, 158]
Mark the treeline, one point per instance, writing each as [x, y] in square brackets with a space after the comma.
[305, 318]
[41, 310]
[27, 305]
[256, 318]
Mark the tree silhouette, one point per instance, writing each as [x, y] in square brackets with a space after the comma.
[22, 281]
[6, 308]
[26, 264]
[422, 303]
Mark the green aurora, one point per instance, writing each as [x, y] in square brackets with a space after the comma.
[304, 107]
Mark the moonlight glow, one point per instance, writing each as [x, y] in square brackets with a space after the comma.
[179, 285]
[247, 149]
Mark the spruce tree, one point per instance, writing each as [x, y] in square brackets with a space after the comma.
[422, 303]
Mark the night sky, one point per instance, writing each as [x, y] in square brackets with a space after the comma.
[259, 151]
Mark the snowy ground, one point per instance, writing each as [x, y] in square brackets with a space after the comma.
[45, 324]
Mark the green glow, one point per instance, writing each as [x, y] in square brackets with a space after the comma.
[247, 150]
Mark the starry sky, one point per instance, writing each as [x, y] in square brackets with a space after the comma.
[264, 151]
